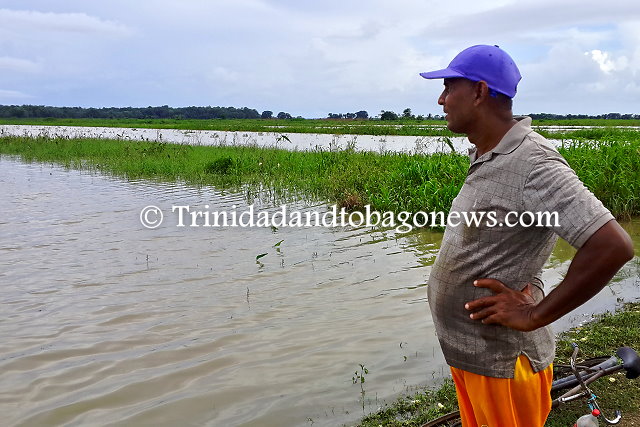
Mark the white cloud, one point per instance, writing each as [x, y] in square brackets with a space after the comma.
[31, 20]
[7, 96]
[311, 58]
[522, 18]
[19, 65]
[606, 62]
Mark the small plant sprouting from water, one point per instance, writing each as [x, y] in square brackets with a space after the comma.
[359, 378]
[352, 144]
[283, 137]
[447, 140]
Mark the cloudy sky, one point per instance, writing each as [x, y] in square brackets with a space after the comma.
[310, 58]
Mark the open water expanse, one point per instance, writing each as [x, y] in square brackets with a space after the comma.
[105, 322]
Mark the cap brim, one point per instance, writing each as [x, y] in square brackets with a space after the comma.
[445, 73]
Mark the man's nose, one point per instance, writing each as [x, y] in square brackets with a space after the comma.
[441, 99]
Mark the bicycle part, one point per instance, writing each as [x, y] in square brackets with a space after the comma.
[593, 405]
[588, 368]
[630, 361]
[574, 369]
[592, 402]
[452, 419]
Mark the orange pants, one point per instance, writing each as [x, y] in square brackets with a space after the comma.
[523, 400]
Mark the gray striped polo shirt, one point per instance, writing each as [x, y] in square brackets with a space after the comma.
[524, 172]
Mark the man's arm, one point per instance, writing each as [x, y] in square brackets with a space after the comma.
[595, 263]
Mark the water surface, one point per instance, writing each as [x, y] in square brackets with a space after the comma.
[105, 322]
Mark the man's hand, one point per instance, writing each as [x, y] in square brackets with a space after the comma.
[507, 307]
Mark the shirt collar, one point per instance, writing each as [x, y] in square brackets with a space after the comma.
[509, 142]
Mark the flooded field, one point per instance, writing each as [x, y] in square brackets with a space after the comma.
[285, 140]
[105, 322]
[289, 141]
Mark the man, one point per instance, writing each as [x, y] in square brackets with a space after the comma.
[485, 292]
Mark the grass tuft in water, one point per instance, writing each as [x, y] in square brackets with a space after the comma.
[389, 181]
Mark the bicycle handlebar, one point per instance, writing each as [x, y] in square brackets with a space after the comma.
[631, 363]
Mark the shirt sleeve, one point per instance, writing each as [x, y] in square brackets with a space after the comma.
[552, 186]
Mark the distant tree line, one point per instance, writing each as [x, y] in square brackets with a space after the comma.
[166, 112]
[163, 112]
[609, 116]
[361, 115]
[407, 114]
[384, 115]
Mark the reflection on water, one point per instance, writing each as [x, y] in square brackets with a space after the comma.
[104, 321]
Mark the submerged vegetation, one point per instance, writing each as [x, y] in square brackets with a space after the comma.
[596, 128]
[342, 127]
[389, 181]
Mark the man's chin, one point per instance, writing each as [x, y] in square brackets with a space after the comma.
[449, 124]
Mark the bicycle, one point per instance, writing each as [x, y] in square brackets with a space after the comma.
[577, 382]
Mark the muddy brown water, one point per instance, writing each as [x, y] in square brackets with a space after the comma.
[105, 322]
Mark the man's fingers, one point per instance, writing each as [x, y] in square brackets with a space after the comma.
[483, 314]
[480, 303]
[493, 284]
[490, 320]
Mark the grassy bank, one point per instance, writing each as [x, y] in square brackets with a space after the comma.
[323, 126]
[388, 182]
[326, 126]
[602, 336]
[391, 181]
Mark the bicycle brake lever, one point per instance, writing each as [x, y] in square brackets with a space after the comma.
[614, 421]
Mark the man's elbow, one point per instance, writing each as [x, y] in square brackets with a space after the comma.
[626, 250]
[620, 244]
[612, 244]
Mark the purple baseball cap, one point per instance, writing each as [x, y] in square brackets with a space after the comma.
[483, 62]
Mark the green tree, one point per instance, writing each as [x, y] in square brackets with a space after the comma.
[388, 115]
[362, 115]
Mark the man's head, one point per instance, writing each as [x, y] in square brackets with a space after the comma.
[479, 83]
[483, 63]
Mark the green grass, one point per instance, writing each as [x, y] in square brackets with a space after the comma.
[610, 168]
[416, 409]
[587, 122]
[600, 134]
[602, 336]
[396, 182]
[390, 181]
[325, 126]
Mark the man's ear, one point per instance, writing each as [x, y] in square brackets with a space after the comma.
[481, 92]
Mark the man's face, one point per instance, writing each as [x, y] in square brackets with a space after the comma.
[457, 102]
